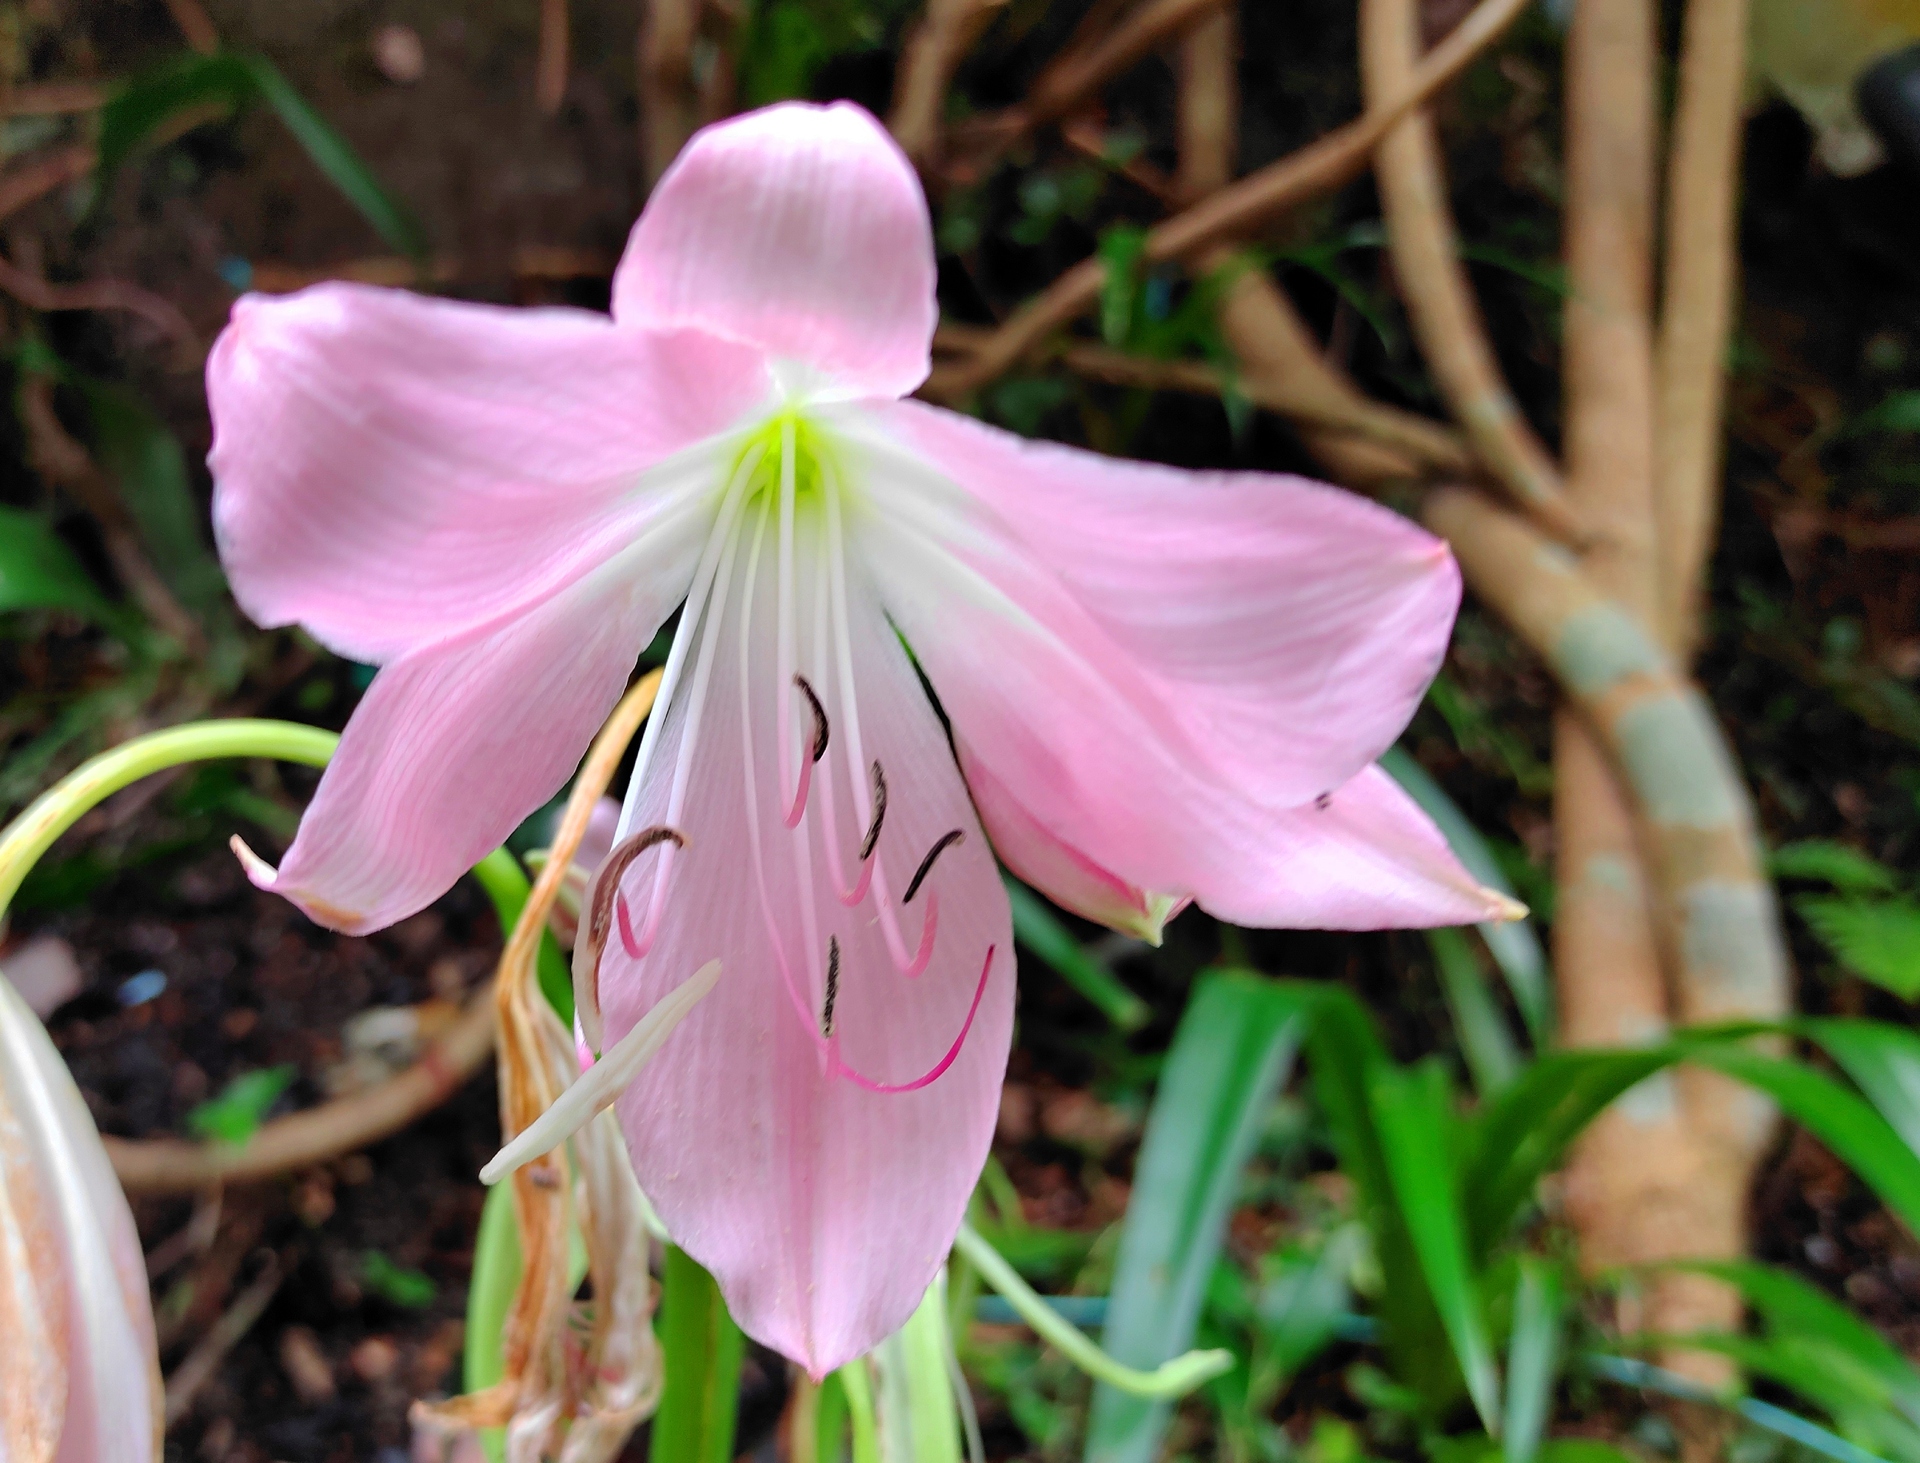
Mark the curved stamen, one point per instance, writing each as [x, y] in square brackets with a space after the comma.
[941, 845]
[820, 730]
[601, 1084]
[833, 985]
[602, 899]
[879, 812]
[839, 1068]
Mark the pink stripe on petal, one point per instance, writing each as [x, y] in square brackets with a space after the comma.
[454, 744]
[802, 230]
[390, 469]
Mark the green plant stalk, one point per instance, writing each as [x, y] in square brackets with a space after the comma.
[865, 1426]
[55, 811]
[703, 1349]
[1175, 1378]
[933, 1420]
[496, 1275]
[1037, 927]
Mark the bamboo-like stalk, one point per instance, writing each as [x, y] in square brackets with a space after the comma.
[1632, 1179]
[1438, 296]
[1702, 179]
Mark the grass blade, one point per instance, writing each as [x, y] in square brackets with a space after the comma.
[1228, 1059]
[1040, 930]
[1533, 1357]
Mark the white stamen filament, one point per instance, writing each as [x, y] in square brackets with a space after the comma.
[683, 638]
[856, 755]
[783, 644]
[601, 1084]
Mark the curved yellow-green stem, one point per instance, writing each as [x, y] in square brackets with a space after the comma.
[61, 806]
[1170, 1379]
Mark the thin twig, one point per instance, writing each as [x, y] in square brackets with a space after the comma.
[56, 98]
[101, 294]
[550, 70]
[203, 1362]
[34, 180]
[61, 460]
[928, 60]
[1208, 119]
[1439, 299]
[1702, 175]
[1234, 211]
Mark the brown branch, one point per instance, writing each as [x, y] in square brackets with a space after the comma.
[550, 68]
[1074, 77]
[1702, 177]
[928, 60]
[101, 294]
[1237, 210]
[668, 110]
[63, 461]
[34, 180]
[303, 1139]
[1439, 299]
[1208, 121]
[56, 98]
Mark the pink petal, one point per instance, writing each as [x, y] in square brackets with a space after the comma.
[455, 743]
[390, 469]
[603, 823]
[1102, 750]
[1071, 879]
[823, 1207]
[1292, 628]
[801, 229]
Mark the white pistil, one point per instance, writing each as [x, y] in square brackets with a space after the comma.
[602, 1083]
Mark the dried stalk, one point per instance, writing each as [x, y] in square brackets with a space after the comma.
[545, 1378]
[203, 1362]
[1702, 177]
[1237, 210]
[56, 98]
[1439, 299]
[195, 25]
[928, 60]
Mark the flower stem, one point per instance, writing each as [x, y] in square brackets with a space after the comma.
[865, 1427]
[58, 809]
[1171, 1379]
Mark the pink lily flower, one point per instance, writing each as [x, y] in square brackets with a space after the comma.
[1160, 686]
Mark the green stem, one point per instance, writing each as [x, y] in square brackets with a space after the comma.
[55, 811]
[703, 1349]
[1171, 1379]
[865, 1427]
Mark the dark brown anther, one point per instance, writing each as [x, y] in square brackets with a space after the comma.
[944, 842]
[833, 985]
[819, 716]
[879, 813]
[606, 884]
[1323, 802]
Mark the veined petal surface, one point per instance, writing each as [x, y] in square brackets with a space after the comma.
[801, 229]
[53, 1166]
[456, 742]
[823, 1206]
[1175, 779]
[391, 469]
